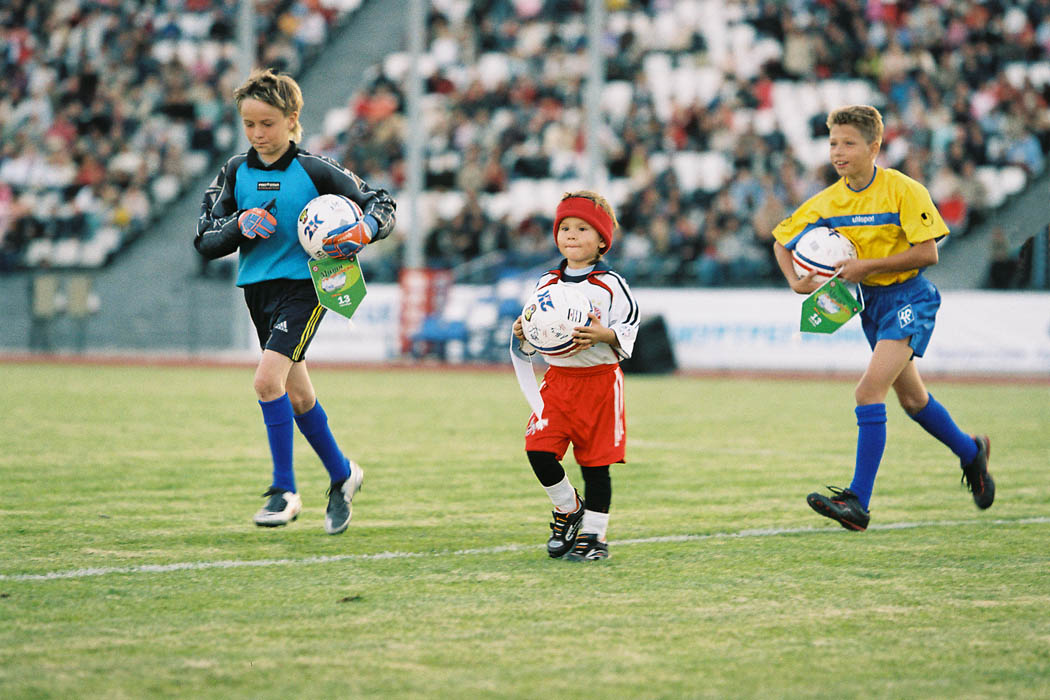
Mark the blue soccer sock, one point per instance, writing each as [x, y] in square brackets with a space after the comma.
[871, 441]
[936, 420]
[314, 425]
[277, 415]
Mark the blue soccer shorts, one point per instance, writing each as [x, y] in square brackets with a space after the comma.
[903, 310]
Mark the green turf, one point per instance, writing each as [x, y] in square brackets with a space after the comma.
[441, 587]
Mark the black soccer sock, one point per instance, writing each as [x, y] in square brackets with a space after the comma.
[546, 466]
[598, 488]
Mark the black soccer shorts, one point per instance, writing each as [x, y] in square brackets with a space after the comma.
[286, 315]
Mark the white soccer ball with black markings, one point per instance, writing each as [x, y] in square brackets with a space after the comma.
[320, 217]
[819, 250]
[550, 315]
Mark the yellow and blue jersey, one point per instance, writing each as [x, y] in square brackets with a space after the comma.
[891, 214]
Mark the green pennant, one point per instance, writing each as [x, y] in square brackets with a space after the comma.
[340, 285]
[829, 308]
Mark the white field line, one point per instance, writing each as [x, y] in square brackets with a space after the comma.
[260, 563]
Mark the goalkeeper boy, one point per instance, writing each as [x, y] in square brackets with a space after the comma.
[893, 223]
[252, 207]
[582, 393]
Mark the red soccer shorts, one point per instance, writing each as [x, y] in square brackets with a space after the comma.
[584, 406]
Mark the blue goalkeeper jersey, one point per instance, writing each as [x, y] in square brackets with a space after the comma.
[298, 176]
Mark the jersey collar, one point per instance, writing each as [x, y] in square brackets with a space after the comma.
[566, 275]
[282, 163]
[874, 173]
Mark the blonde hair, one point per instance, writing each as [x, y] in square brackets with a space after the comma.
[865, 118]
[277, 90]
[601, 201]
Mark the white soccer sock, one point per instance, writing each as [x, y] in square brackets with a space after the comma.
[595, 522]
[562, 495]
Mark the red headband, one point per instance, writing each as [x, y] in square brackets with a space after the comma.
[589, 211]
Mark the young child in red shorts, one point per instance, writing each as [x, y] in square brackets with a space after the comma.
[582, 392]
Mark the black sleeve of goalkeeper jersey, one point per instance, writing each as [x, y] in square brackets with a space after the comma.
[217, 231]
[331, 178]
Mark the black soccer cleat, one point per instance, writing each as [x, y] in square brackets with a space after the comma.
[588, 548]
[843, 506]
[564, 529]
[976, 476]
[340, 500]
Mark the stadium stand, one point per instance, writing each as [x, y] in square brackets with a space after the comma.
[108, 110]
[714, 120]
[713, 127]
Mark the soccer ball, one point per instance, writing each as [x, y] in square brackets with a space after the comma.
[819, 249]
[550, 315]
[320, 217]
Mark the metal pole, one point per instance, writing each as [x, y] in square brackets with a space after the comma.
[596, 175]
[414, 180]
[241, 337]
[245, 38]
[245, 50]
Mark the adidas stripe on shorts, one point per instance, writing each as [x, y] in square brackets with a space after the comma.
[286, 315]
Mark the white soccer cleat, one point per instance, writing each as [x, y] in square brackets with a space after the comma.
[340, 501]
[282, 508]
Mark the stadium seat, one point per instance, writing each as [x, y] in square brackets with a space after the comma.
[493, 70]
[658, 74]
[616, 99]
[337, 121]
[435, 336]
[66, 253]
[989, 177]
[1012, 179]
[709, 82]
[687, 168]
[396, 65]
[1039, 74]
[496, 205]
[448, 204]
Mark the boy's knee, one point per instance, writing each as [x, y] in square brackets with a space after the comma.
[863, 396]
[302, 404]
[912, 404]
[268, 388]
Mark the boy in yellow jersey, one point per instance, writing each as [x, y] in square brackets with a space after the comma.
[893, 223]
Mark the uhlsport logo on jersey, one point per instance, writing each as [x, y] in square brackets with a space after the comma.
[905, 316]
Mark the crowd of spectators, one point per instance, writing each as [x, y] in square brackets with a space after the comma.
[108, 107]
[964, 88]
[713, 126]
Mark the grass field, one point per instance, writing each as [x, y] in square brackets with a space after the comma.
[129, 566]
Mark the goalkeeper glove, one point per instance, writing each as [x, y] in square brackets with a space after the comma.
[258, 221]
[345, 242]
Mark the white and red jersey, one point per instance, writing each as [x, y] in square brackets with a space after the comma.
[581, 398]
[611, 298]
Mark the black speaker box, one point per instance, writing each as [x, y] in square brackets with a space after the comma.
[653, 352]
